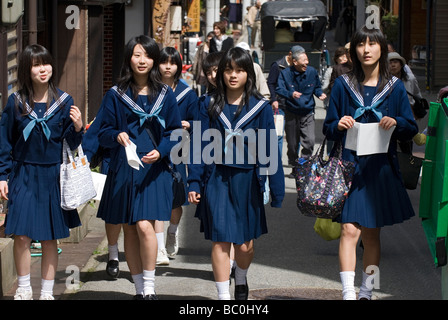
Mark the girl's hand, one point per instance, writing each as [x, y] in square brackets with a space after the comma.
[151, 157]
[4, 190]
[194, 197]
[123, 139]
[75, 115]
[345, 123]
[185, 125]
[387, 122]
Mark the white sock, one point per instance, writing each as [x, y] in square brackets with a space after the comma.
[348, 285]
[138, 283]
[240, 275]
[232, 264]
[160, 240]
[365, 292]
[113, 252]
[223, 290]
[47, 287]
[24, 281]
[173, 228]
[149, 278]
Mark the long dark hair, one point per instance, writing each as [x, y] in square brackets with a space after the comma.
[126, 79]
[33, 54]
[357, 74]
[243, 60]
[170, 54]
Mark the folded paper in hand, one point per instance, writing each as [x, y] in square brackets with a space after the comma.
[368, 138]
[131, 155]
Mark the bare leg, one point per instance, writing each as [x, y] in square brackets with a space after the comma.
[22, 255]
[49, 263]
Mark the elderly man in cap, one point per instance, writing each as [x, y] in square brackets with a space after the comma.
[277, 102]
[298, 84]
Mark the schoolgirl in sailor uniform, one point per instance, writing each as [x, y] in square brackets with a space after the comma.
[136, 198]
[34, 123]
[377, 196]
[234, 209]
[170, 68]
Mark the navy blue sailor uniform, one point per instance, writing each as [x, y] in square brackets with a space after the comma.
[377, 196]
[187, 101]
[131, 195]
[232, 208]
[30, 158]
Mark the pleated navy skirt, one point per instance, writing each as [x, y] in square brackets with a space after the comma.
[233, 209]
[377, 197]
[131, 195]
[34, 206]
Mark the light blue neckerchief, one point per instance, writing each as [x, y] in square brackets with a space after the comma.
[376, 101]
[142, 114]
[237, 131]
[42, 121]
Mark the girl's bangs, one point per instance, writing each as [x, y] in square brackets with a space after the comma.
[41, 57]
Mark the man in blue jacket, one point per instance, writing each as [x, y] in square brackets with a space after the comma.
[298, 84]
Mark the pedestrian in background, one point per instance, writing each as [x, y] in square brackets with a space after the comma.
[170, 68]
[35, 121]
[253, 17]
[221, 41]
[196, 68]
[298, 84]
[136, 198]
[233, 212]
[377, 198]
[277, 102]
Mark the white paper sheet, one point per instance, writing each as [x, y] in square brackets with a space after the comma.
[368, 138]
[99, 180]
[131, 155]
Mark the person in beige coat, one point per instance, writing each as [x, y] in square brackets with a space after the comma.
[253, 17]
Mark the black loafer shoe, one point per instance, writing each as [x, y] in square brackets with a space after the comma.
[112, 268]
[151, 297]
[241, 292]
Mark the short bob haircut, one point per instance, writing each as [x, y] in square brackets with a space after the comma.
[170, 54]
[357, 73]
[221, 25]
[126, 79]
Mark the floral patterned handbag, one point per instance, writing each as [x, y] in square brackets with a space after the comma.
[323, 185]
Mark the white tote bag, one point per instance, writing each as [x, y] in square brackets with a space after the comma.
[76, 179]
[279, 120]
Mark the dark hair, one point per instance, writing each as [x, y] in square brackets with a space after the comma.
[357, 73]
[243, 60]
[126, 79]
[210, 61]
[170, 54]
[30, 55]
[340, 51]
[221, 25]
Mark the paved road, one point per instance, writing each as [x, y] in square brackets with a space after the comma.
[291, 261]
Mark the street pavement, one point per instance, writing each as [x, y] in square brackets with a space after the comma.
[291, 261]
